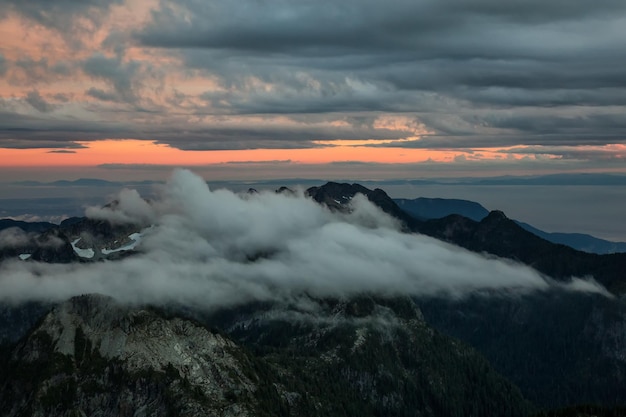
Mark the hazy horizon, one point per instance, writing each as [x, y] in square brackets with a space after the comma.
[567, 204]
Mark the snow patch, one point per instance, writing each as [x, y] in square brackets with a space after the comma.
[83, 253]
[24, 256]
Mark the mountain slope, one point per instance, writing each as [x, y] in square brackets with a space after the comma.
[560, 348]
[361, 357]
[373, 356]
[51, 246]
[92, 356]
[498, 235]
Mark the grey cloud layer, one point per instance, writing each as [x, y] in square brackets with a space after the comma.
[474, 73]
[363, 25]
[434, 59]
[200, 247]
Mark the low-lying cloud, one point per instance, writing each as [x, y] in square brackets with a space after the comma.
[13, 237]
[216, 248]
[130, 207]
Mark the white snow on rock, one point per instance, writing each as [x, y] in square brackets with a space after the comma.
[24, 256]
[83, 253]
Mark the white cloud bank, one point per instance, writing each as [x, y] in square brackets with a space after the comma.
[216, 248]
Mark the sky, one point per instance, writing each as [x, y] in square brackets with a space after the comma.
[251, 89]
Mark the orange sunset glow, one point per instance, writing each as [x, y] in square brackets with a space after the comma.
[144, 152]
[149, 153]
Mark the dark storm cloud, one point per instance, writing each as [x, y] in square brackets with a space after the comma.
[516, 97]
[436, 58]
[3, 65]
[60, 97]
[38, 102]
[102, 95]
[494, 39]
[20, 131]
[28, 71]
[321, 27]
[561, 124]
[41, 132]
[12, 143]
[571, 125]
[121, 76]
[272, 137]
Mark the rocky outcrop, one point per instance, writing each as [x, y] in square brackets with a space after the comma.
[366, 356]
[92, 356]
[370, 356]
[53, 246]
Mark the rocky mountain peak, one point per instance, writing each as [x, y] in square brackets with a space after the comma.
[495, 215]
[337, 196]
[285, 190]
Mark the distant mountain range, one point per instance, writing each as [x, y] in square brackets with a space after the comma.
[551, 179]
[579, 241]
[82, 182]
[436, 208]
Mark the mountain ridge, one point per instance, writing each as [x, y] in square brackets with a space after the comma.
[92, 355]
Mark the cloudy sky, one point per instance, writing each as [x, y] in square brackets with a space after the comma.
[320, 89]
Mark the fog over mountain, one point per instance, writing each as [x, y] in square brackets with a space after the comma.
[215, 248]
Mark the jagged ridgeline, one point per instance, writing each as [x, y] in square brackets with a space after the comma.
[361, 357]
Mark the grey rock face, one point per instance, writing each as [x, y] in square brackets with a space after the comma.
[365, 356]
[92, 356]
